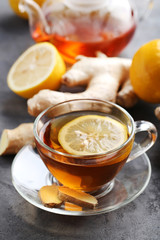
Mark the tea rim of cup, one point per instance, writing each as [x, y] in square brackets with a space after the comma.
[38, 139]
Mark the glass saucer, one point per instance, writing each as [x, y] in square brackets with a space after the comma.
[29, 174]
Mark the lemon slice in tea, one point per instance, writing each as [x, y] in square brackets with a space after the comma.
[92, 134]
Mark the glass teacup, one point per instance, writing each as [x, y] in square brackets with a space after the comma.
[95, 172]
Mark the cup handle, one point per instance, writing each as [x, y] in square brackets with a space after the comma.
[145, 144]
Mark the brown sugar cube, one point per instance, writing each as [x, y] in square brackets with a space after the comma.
[77, 197]
[49, 196]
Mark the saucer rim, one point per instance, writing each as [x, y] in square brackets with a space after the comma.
[87, 212]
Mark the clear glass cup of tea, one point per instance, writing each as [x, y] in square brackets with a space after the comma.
[93, 172]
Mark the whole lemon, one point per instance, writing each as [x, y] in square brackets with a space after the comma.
[145, 72]
[14, 6]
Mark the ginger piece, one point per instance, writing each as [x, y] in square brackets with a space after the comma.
[157, 112]
[49, 196]
[77, 197]
[72, 207]
[102, 75]
[126, 97]
[12, 140]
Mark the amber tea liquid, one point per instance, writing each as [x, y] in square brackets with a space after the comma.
[85, 174]
[89, 37]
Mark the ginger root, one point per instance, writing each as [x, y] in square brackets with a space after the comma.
[106, 79]
[72, 207]
[103, 76]
[49, 196]
[126, 96]
[12, 140]
[157, 112]
[53, 196]
[77, 197]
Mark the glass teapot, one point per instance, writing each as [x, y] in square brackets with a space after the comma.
[83, 27]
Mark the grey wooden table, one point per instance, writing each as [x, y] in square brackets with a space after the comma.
[20, 220]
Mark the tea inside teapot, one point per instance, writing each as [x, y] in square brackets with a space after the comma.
[80, 27]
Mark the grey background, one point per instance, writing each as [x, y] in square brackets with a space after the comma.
[20, 220]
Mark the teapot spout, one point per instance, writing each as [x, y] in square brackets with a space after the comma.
[37, 22]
